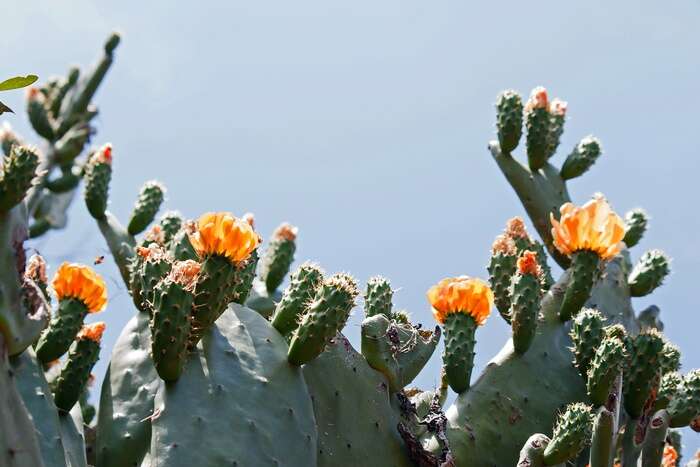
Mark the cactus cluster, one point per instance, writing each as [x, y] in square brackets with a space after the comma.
[222, 364]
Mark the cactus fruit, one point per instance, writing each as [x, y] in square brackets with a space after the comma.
[378, 297]
[150, 266]
[245, 276]
[643, 373]
[80, 291]
[74, 376]
[649, 273]
[509, 119]
[685, 405]
[586, 334]
[636, 222]
[599, 240]
[170, 325]
[460, 304]
[278, 257]
[525, 295]
[325, 316]
[582, 158]
[170, 223]
[147, 205]
[39, 115]
[571, 433]
[501, 268]
[537, 123]
[602, 440]
[16, 175]
[516, 230]
[301, 290]
[98, 174]
[606, 364]
[557, 118]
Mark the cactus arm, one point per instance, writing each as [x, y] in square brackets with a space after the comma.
[532, 453]
[541, 193]
[655, 440]
[19, 446]
[120, 243]
[630, 446]
[602, 440]
[20, 326]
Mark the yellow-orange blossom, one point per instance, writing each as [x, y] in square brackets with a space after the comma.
[221, 233]
[92, 331]
[593, 226]
[462, 294]
[74, 280]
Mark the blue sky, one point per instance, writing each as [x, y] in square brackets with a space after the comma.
[365, 123]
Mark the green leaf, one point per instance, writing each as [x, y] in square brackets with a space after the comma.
[18, 82]
[4, 108]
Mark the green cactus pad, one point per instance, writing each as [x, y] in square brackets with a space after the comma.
[458, 359]
[532, 453]
[36, 395]
[669, 385]
[685, 406]
[126, 401]
[525, 306]
[63, 327]
[509, 119]
[399, 351]
[643, 373]
[378, 297]
[586, 333]
[82, 356]
[649, 273]
[300, 292]
[571, 433]
[16, 175]
[607, 363]
[147, 205]
[584, 271]
[238, 402]
[581, 158]
[97, 178]
[636, 222]
[170, 328]
[537, 122]
[501, 269]
[212, 291]
[324, 318]
[355, 413]
[170, 222]
[275, 263]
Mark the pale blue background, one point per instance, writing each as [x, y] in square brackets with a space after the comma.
[366, 124]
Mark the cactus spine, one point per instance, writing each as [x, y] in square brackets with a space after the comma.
[571, 433]
[16, 175]
[300, 292]
[526, 294]
[378, 297]
[649, 273]
[642, 375]
[509, 119]
[275, 263]
[582, 158]
[586, 333]
[636, 222]
[98, 174]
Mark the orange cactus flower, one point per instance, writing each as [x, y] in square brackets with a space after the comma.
[220, 233]
[461, 295]
[77, 281]
[527, 263]
[670, 457]
[103, 155]
[92, 331]
[593, 226]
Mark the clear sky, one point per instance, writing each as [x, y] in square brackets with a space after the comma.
[365, 123]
